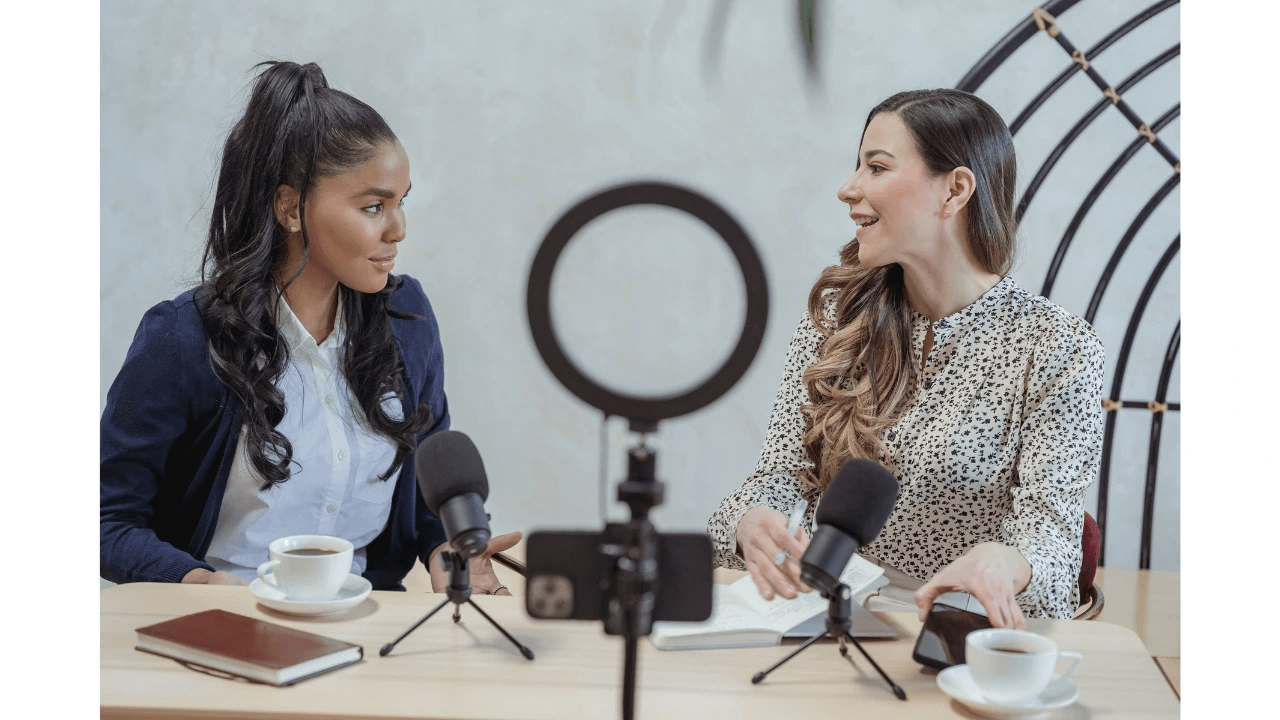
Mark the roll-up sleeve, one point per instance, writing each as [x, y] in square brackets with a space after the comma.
[148, 410]
[775, 482]
[1060, 448]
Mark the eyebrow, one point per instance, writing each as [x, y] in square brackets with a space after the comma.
[381, 192]
[872, 153]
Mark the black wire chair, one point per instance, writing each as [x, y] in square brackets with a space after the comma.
[1044, 19]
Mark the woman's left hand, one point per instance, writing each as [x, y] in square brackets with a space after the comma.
[992, 572]
[483, 578]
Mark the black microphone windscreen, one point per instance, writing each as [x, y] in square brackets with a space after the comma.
[858, 500]
[448, 464]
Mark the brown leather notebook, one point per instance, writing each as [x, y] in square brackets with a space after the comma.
[245, 647]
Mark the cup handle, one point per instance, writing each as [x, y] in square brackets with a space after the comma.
[1075, 659]
[262, 573]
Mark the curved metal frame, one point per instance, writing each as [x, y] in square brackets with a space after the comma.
[1104, 472]
[1101, 288]
[1093, 196]
[1085, 121]
[1092, 52]
[1045, 18]
[1153, 453]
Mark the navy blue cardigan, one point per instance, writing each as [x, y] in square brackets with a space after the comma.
[169, 435]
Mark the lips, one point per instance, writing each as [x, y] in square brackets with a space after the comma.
[384, 263]
[864, 223]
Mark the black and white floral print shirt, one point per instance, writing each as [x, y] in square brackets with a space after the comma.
[1001, 442]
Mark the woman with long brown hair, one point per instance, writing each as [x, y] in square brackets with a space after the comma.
[919, 352]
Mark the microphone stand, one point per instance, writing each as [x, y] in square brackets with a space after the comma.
[634, 548]
[458, 592]
[839, 622]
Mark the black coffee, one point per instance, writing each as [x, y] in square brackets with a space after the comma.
[1011, 650]
[310, 552]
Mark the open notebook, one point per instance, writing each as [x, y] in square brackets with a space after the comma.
[740, 617]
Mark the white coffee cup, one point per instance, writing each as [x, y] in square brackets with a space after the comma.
[1014, 666]
[308, 568]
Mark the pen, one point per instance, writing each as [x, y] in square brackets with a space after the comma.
[793, 524]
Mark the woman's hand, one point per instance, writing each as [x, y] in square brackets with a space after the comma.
[761, 532]
[200, 576]
[992, 572]
[483, 578]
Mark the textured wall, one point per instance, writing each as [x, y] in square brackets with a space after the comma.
[511, 112]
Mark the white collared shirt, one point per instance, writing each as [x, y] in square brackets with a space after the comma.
[334, 487]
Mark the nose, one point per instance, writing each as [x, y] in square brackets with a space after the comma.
[850, 192]
[397, 229]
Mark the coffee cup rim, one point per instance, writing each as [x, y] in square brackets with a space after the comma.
[984, 639]
[283, 545]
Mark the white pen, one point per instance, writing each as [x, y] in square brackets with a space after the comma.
[797, 514]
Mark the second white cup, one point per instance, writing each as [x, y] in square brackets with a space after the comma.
[1014, 666]
[309, 568]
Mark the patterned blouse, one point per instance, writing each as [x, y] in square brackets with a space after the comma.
[1001, 442]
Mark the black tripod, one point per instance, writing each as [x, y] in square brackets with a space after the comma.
[839, 612]
[632, 584]
[459, 591]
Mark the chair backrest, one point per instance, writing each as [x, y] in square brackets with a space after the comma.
[1091, 540]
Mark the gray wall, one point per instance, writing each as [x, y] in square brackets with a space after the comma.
[510, 112]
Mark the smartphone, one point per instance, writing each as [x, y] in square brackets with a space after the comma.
[941, 641]
[568, 576]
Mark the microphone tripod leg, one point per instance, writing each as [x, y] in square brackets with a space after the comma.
[387, 648]
[523, 650]
[629, 678]
[897, 691]
[760, 676]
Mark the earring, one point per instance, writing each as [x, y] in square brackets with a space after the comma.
[293, 228]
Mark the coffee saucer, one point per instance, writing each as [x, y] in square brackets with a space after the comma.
[957, 682]
[353, 592]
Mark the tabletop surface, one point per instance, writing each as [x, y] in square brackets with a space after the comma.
[469, 670]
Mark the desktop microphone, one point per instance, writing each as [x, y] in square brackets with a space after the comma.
[451, 477]
[851, 513]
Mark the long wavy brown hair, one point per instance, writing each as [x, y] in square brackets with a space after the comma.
[865, 374]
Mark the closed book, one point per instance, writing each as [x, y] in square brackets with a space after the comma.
[246, 647]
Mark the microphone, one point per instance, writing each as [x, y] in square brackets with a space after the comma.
[851, 513]
[453, 483]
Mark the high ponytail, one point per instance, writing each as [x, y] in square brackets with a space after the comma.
[295, 130]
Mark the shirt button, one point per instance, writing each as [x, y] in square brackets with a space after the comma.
[331, 508]
[342, 456]
[329, 400]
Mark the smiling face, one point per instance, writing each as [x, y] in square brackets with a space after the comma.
[893, 198]
[355, 218]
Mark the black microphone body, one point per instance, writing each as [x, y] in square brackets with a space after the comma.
[851, 513]
[454, 485]
[466, 524]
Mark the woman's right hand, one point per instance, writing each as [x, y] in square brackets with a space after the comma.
[761, 532]
[200, 576]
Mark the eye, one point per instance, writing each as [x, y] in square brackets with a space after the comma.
[373, 209]
[875, 169]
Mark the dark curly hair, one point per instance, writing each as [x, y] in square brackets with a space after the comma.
[294, 130]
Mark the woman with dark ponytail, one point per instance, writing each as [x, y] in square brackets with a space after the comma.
[919, 352]
[285, 394]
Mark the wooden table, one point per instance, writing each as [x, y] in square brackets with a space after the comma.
[469, 670]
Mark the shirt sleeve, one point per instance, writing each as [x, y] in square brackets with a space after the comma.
[148, 410]
[775, 482]
[1060, 450]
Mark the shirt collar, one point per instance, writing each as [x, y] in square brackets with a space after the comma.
[983, 306]
[296, 334]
